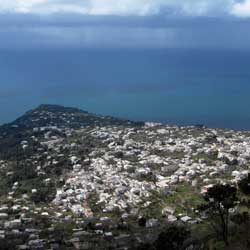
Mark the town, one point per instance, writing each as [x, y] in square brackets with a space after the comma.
[74, 180]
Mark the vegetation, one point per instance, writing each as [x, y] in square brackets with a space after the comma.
[185, 198]
[208, 158]
[171, 238]
[36, 160]
[219, 199]
[244, 185]
[226, 219]
[45, 192]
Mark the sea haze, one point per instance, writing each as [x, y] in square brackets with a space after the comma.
[210, 87]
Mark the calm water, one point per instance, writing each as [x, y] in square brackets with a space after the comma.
[172, 86]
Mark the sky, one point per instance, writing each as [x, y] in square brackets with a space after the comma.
[154, 24]
[129, 7]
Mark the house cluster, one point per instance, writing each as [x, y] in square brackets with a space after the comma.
[105, 177]
[132, 164]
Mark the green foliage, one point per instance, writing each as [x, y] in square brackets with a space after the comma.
[119, 154]
[4, 185]
[45, 192]
[184, 198]
[62, 231]
[7, 244]
[23, 171]
[41, 222]
[242, 220]
[146, 246]
[97, 208]
[244, 185]
[219, 199]
[209, 158]
[215, 244]
[150, 177]
[142, 221]
[63, 166]
[172, 238]
[221, 196]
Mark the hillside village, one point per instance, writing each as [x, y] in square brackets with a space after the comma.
[73, 180]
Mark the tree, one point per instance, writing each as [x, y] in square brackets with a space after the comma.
[243, 219]
[7, 244]
[172, 238]
[46, 192]
[145, 246]
[219, 199]
[244, 185]
[142, 221]
[23, 171]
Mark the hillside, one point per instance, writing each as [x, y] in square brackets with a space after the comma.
[74, 180]
[50, 118]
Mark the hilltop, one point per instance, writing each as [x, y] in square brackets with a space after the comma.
[60, 116]
[52, 117]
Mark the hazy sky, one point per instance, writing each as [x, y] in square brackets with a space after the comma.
[124, 24]
[130, 7]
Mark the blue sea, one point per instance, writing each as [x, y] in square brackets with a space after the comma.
[210, 87]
